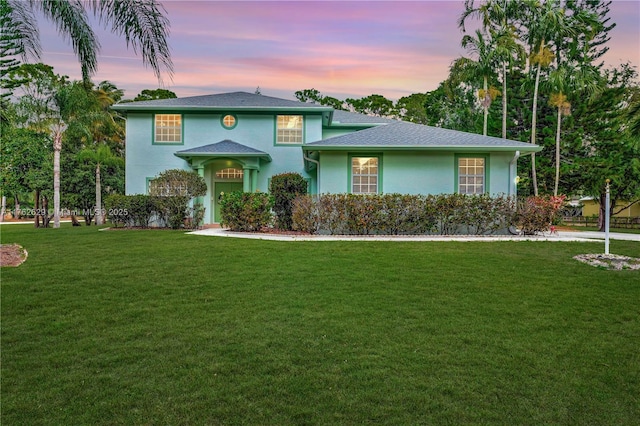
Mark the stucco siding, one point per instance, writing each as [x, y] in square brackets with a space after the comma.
[145, 160]
[333, 172]
[413, 172]
[500, 178]
[417, 173]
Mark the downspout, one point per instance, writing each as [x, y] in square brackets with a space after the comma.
[317, 163]
[511, 166]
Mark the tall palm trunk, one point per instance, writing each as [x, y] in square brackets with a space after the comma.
[533, 129]
[99, 217]
[504, 100]
[57, 148]
[555, 187]
[485, 103]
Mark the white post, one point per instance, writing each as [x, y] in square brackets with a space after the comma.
[606, 220]
[3, 211]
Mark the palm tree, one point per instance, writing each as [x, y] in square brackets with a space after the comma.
[582, 79]
[140, 22]
[70, 105]
[101, 156]
[483, 67]
[559, 101]
[510, 53]
[544, 21]
[548, 24]
[497, 18]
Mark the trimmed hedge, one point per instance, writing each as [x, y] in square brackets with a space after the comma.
[144, 211]
[398, 214]
[246, 211]
[284, 188]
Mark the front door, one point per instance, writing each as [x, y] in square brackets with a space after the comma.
[221, 187]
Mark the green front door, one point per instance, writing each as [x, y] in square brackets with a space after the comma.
[221, 187]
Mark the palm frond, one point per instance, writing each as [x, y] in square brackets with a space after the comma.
[19, 23]
[144, 27]
[71, 21]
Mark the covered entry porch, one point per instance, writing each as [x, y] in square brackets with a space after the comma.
[226, 166]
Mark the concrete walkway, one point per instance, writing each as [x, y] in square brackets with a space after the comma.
[560, 236]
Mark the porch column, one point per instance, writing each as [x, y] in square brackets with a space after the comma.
[200, 170]
[246, 179]
[254, 180]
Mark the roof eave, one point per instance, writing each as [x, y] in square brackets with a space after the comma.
[352, 125]
[189, 155]
[457, 148]
[194, 108]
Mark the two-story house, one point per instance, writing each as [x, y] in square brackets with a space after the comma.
[237, 141]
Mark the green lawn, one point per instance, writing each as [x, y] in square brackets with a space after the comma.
[160, 327]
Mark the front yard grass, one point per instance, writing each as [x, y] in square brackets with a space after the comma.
[160, 327]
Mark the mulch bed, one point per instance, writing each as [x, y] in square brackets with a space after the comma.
[609, 261]
[12, 255]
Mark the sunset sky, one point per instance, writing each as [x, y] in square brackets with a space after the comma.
[342, 48]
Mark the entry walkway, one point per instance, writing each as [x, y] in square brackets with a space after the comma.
[560, 236]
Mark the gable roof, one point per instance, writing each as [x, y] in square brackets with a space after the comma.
[401, 135]
[224, 148]
[235, 101]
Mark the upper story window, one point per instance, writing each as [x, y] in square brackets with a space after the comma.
[471, 176]
[289, 129]
[168, 129]
[365, 175]
[229, 121]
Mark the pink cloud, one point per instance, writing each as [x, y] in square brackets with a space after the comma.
[346, 48]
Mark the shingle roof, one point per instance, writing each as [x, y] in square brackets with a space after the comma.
[229, 101]
[403, 135]
[225, 147]
[346, 117]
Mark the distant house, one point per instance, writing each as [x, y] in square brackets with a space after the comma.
[590, 207]
[237, 141]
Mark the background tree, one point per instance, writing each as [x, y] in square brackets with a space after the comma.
[608, 147]
[312, 96]
[150, 95]
[412, 108]
[376, 105]
[101, 156]
[25, 166]
[315, 97]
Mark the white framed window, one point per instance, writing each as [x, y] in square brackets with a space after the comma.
[471, 175]
[168, 129]
[230, 173]
[289, 129]
[365, 175]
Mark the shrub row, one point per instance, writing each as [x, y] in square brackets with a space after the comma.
[246, 211]
[148, 210]
[445, 214]
[394, 214]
